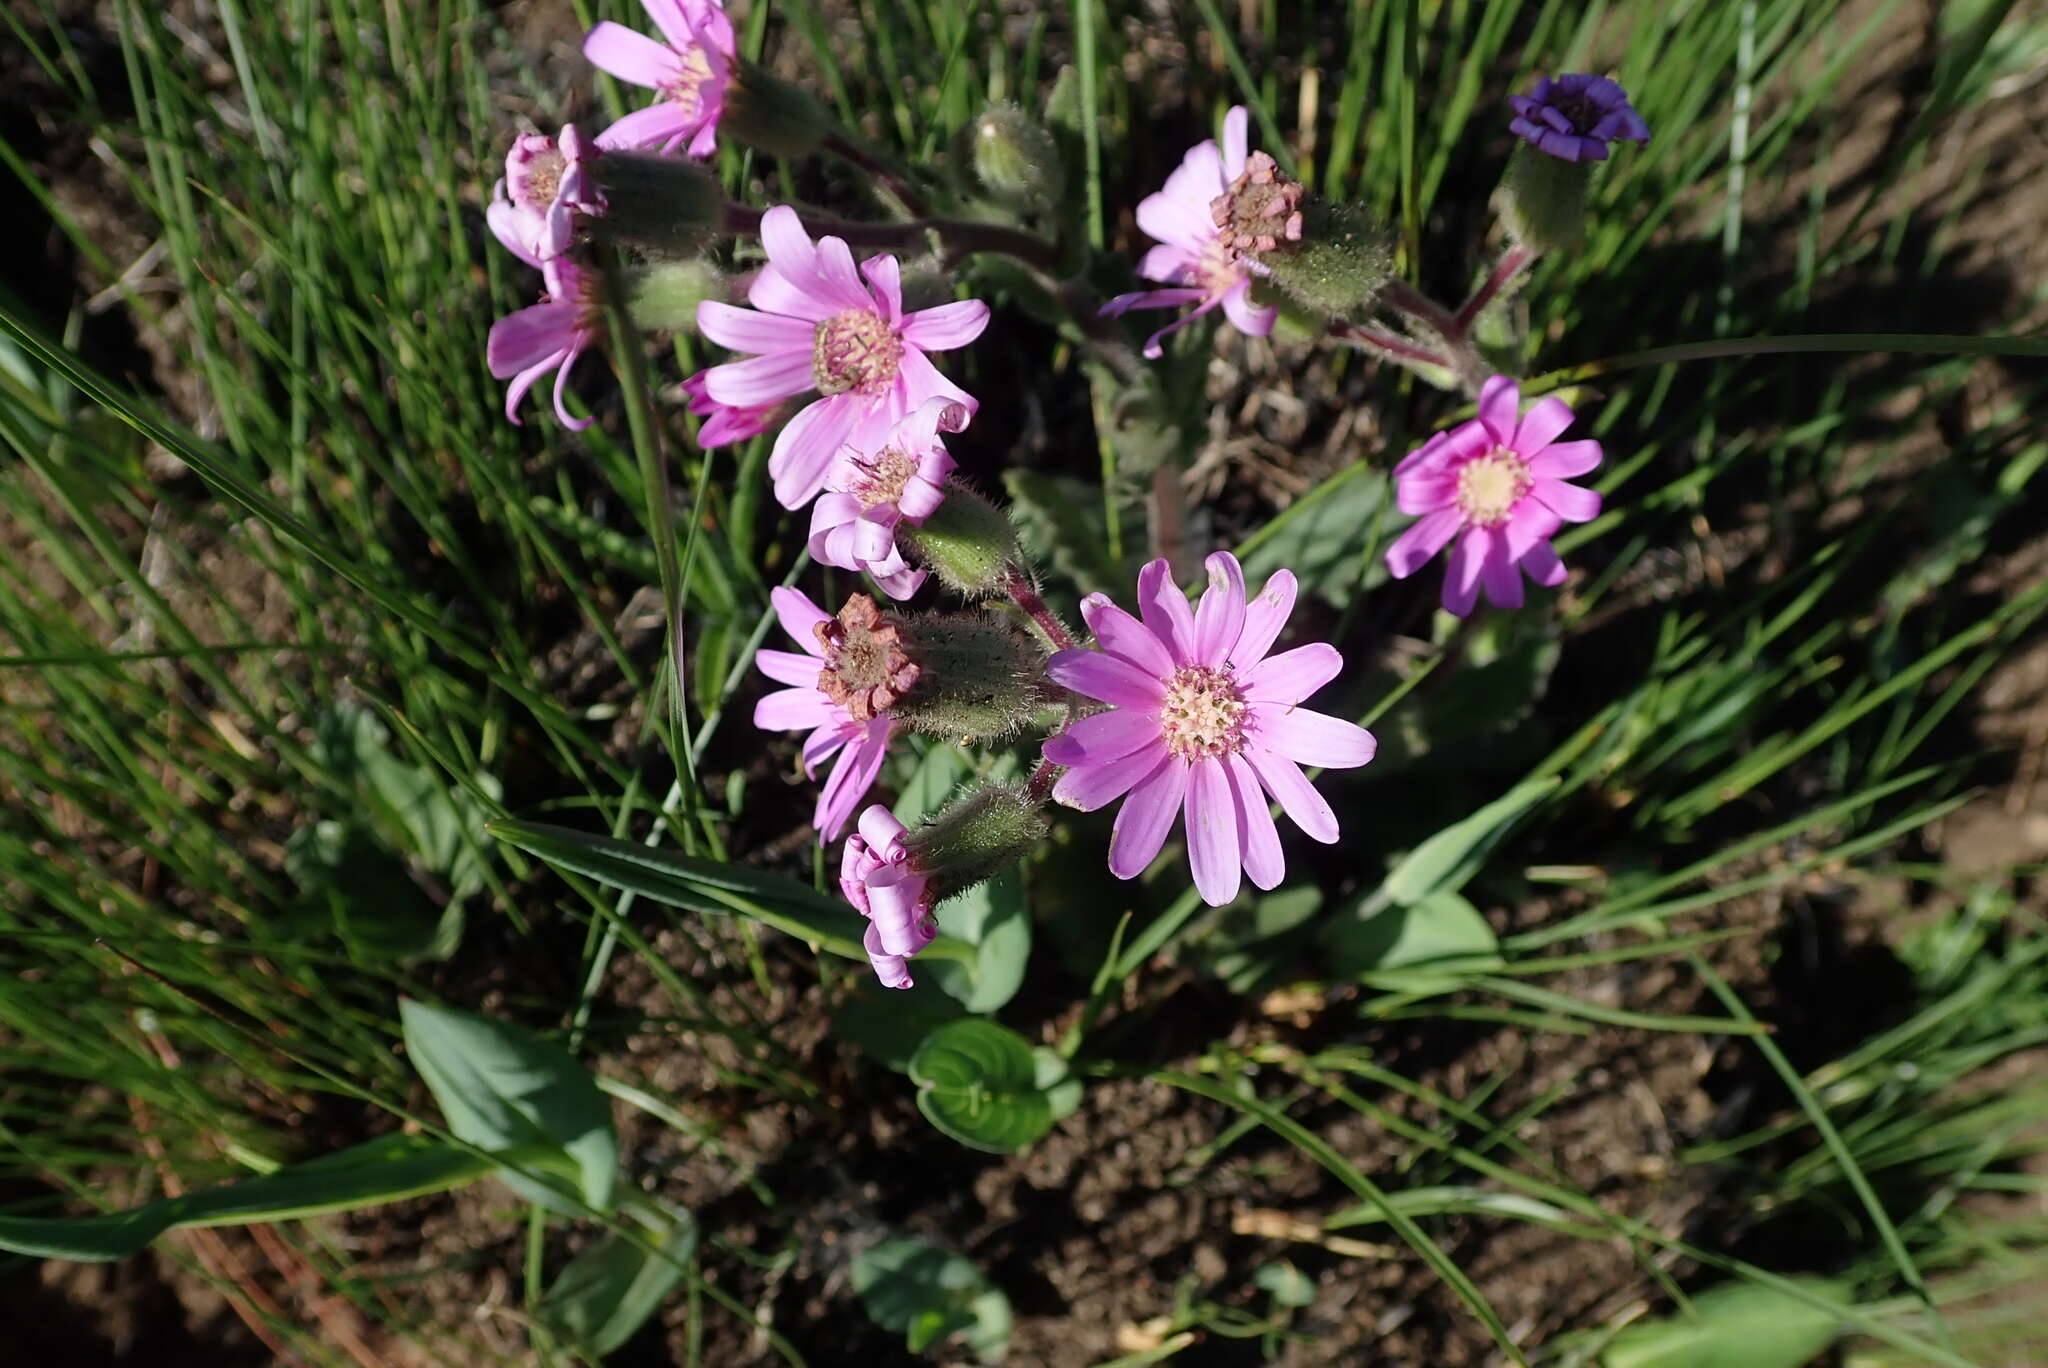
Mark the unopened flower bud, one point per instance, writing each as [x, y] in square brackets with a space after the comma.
[664, 206]
[1339, 263]
[967, 542]
[978, 677]
[976, 837]
[765, 112]
[1016, 160]
[663, 297]
[1542, 200]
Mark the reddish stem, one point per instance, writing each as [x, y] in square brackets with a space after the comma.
[1024, 594]
[1510, 266]
[1374, 339]
[1040, 786]
[846, 149]
[1408, 300]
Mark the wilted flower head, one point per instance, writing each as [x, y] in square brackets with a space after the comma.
[548, 336]
[690, 69]
[1574, 117]
[816, 325]
[1203, 723]
[1217, 206]
[1497, 483]
[547, 183]
[869, 493]
[807, 705]
[876, 877]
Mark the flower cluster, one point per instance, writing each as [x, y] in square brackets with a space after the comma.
[1190, 717]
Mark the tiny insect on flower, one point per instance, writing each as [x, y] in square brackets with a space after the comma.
[1497, 484]
[1203, 724]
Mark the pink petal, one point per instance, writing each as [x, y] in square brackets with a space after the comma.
[806, 445]
[1543, 566]
[1258, 838]
[787, 667]
[522, 340]
[1165, 610]
[749, 330]
[568, 419]
[1545, 419]
[1498, 399]
[632, 57]
[1312, 738]
[794, 709]
[1180, 221]
[1425, 491]
[893, 895]
[821, 744]
[1103, 737]
[1568, 501]
[799, 617]
[1461, 577]
[840, 279]
[1105, 677]
[524, 381]
[1264, 616]
[1152, 350]
[1563, 460]
[1219, 617]
[790, 249]
[918, 382]
[1122, 635]
[1413, 548]
[1290, 788]
[851, 779]
[886, 277]
[880, 829]
[771, 292]
[1292, 675]
[1152, 299]
[1213, 851]
[1087, 787]
[1531, 522]
[947, 326]
[761, 380]
[1169, 264]
[516, 229]
[1423, 456]
[1145, 818]
[1246, 316]
[1502, 580]
[891, 971]
[1236, 140]
[648, 127]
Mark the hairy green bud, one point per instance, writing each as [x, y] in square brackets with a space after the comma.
[768, 113]
[976, 836]
[1542, 199]
[664, 297]
[968, 542]
[663, 206]
[1016, 160]
[978, 677]
[1339, 263]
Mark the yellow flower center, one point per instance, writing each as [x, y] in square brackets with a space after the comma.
[1490, 486]
[1202, 714]
[856, 350]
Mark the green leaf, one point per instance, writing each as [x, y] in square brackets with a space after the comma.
[978, 1083]
[888, 1024]
[504, 1088]
[1443, 932]
[700, 885]
[1444, 862]
[1060, 520]
[1243, 943]
[929, 1294]
[1285, 1284]
[1737, 1325]
[991, 917]
[609, 1290]
[385, 1170]
[939, 771]
[1057, 1080]
[1322, 537]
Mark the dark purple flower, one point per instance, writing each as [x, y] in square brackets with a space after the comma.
[1574, 117]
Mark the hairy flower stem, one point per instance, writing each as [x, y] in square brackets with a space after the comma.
[1510, 266]
[1025, 595]
[1039, 788]
[1372, 339]
[959, 236]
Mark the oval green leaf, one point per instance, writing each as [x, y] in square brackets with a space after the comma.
[977, 1082]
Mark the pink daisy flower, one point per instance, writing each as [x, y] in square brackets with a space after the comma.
[691, 70]
[869, 494]
[863, 742]
[546, 184]
[876, 877]
[722, 424]
[816, 326]
[1202, 723]
[1498, 485]
[1195, 256]
[547, 336]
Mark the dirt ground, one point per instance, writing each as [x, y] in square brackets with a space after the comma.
[1094, 1232]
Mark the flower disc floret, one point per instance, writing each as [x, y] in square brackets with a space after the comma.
[819, 324]
[1204, 724]
[861, 743]
[1495, 485]
[548, 182]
